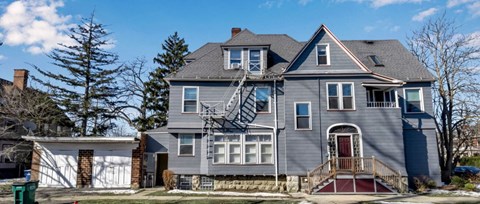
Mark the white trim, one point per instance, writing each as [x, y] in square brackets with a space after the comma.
[242, 144]
[193, 144]
[360, 137]
[309, 114]
[260, 61]
[269, 99]
[81, 139]
[183, 98]
[229, 65]
[420, 92]
[327, 52]
[340, 95]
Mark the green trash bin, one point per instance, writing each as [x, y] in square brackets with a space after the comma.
[24, 192]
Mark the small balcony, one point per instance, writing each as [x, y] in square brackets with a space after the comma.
[215, 109]
[381, 104]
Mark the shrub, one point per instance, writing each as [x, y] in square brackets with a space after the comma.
[470, 186]
[423, 183]
[470, 161]
[458, 181]
[168, 179]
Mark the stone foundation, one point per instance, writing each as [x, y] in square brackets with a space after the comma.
[195, 182]
[249, 183]
[293, 184]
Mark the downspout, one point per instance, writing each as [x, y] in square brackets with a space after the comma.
[275, 136]
[274, 128]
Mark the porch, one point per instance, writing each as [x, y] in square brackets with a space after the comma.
[355, 175]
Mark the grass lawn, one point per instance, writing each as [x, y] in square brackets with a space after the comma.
[165, 193]
[187, 201]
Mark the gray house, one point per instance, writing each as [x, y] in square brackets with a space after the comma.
[267, 112]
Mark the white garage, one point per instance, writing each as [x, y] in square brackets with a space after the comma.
[98, 162]
[112, 169]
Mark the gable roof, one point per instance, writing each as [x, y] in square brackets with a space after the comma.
[335, 39]
[399, 64]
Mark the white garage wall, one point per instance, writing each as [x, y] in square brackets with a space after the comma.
[111, 168]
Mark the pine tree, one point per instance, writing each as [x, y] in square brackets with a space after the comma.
[87, 92]
[169, 62]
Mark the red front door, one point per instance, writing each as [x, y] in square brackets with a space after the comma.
[344, 152]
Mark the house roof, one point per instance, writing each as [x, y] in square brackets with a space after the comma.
[81, 139]
[208, 64]
[397, 61]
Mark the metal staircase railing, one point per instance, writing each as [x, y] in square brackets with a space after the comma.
[236, 93]
[356, 165]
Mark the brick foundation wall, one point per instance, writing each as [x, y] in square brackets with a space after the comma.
[36, 158]
[137, 162]
[84, 173]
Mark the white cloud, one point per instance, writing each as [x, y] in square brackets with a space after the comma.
[474, 9]
[271, 3]
[395, 28]
[368, 29]
[476, 39]
[381, 3]
[453, 3]
[35, 24]
[304, 2]
[422, 15]
[2, 57]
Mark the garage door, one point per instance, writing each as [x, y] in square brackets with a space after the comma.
[59, 169]
[112, 169]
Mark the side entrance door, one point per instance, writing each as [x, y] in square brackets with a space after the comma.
[344, 151]
[162, 164]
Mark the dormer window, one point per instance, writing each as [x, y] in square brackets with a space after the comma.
[254, 64]
[323, 54]
[235, 59]
[376, 60]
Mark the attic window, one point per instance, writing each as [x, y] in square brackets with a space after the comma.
[376, 60]
[235, 59]
[323, 54]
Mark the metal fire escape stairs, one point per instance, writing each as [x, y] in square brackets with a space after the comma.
[211, 111]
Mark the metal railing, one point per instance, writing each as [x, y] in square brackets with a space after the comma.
[356, 165]
[212, 109]
[382, 104]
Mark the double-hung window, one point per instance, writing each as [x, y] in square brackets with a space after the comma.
[235, 59]
[254, 65]
[262, 100]
[340, 96]
[323, 54]
[190, 100]
[186, 145]
[243, 149]
[413, 100]
[303, 118]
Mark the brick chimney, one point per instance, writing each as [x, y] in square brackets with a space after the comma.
[20, 78]
[235, 31]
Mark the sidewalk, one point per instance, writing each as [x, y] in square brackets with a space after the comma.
[67, 195]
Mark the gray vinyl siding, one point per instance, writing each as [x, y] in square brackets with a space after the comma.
[339, 60]
[418, 120]
[218, 91]
[158, 142]
[421, 154]
[184, 164]
[380, 127]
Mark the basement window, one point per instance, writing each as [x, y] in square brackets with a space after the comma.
[376, 60]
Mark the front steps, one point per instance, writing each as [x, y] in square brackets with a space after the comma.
[358, 184]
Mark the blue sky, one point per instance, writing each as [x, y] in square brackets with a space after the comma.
[32, 28]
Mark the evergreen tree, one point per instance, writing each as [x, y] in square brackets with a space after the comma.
[169, 62]
[87, 93]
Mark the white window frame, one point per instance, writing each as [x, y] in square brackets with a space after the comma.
[242, 144]
[420, 92]
[269, 100]
[340, 96]
[241, 58]
[193, 143]
[327, 53]
[309, 114]
[183, 98]
[260, 60]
